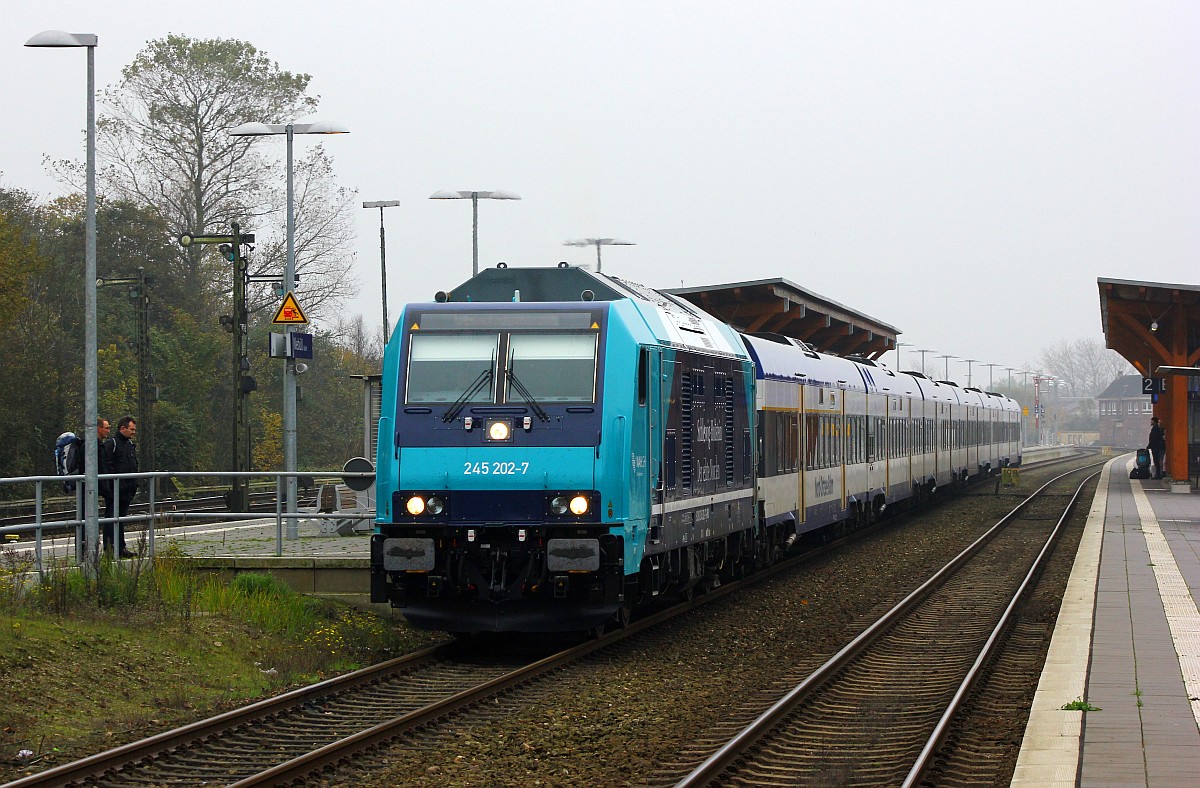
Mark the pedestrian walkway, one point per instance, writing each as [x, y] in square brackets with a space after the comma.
[1126, 647]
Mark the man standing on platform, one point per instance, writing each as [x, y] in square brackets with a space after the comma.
[1157, 445]
[122, 457]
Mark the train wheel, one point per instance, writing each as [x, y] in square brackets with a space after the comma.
[624, 614]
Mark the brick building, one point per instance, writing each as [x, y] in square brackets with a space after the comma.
[1124, 413]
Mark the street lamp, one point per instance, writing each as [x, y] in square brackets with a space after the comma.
[474, 197]
[381, 204]
[970, 361]
[991, 371]
[898, 346]
[91, 527]
[598, 242]
[947, 356]
[289, 282]
[923, 352]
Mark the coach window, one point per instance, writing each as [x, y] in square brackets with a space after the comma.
[812, 431]
[553, 367]
[445, 367]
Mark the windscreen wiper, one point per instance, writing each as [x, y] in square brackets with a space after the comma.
[452, 412]
[524, 392]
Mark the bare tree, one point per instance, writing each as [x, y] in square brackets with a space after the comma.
[163, 142]
[1083, 366]
[324, 231]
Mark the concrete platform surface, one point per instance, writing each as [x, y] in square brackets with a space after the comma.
[1126, 647]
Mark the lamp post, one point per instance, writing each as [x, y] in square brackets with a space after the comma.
[923, 352]
[970, 361]
[598, 242]
[91, 527]
[474, 197]
[898, 346]
[991, 371]
[289, 282]
[947, 356]
[381, 204]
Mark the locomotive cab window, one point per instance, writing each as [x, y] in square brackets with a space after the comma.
[444, 367]
[552, 367]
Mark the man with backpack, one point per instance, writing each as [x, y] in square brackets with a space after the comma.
[70, 454]
[119, 454]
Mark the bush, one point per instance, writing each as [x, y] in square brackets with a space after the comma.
[250, 583]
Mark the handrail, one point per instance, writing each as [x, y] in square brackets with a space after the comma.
[38, 525]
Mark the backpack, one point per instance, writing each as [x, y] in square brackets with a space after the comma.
[68, 458]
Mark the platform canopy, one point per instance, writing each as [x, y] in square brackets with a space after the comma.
[1151, 324]
[777, 306]
[1156, 327]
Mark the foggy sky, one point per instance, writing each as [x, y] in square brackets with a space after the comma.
[961, 171]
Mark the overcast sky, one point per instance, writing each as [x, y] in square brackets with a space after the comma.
[963, 171]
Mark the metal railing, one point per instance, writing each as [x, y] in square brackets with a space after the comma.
[155, 514]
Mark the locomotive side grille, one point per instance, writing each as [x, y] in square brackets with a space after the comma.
[728, 391]
[685, 403]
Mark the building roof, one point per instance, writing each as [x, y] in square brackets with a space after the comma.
[1124, 387]
[777, 306]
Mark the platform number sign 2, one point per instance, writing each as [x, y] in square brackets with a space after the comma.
[1154, 385]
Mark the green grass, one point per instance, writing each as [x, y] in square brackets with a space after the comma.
[1079, 704]
[91, 663]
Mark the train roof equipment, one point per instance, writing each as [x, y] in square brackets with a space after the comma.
[673, 321]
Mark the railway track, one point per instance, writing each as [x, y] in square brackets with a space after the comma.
[289, 737]
[877, 712]
[420, 697]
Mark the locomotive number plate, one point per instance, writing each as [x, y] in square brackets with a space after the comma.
[495, 468]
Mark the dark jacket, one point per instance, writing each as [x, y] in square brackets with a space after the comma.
[122, 458]
[103, 465]
[1157, 441]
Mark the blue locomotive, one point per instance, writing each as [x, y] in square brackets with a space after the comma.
[557, 447]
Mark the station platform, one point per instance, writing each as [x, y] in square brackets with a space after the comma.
[314, 562]
[1126, 647]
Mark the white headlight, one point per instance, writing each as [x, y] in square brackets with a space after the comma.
[415, 505]
[579, 505]
[498, 431]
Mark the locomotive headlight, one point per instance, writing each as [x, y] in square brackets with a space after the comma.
[498, 430]
[579, 505]
[435, 505]
[558, 505]
[415, 505]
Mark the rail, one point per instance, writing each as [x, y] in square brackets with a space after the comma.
[734, 752]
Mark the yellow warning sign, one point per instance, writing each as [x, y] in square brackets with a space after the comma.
[290, 312]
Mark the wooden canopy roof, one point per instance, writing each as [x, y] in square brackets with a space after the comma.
[1151, 324]
[777, 306]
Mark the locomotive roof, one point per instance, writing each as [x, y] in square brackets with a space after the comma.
[672, 320]
[560, 283]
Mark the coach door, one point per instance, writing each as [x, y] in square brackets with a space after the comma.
[801, 458]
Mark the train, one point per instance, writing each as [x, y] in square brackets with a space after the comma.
[559, 447]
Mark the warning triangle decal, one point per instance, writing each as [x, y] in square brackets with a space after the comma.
[290, 311]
